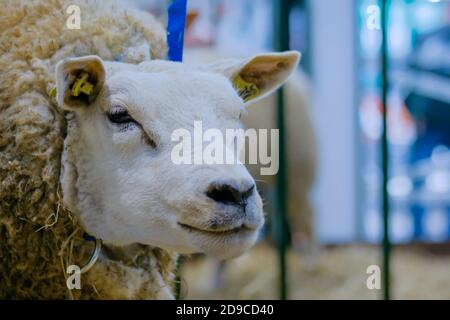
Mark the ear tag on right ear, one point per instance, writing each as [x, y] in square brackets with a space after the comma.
[246, 90]
[82, 85]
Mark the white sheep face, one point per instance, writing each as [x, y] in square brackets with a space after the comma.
[118, 176]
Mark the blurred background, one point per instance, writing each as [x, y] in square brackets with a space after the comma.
[333, 123]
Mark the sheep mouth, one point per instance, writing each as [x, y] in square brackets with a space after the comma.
[232, 231]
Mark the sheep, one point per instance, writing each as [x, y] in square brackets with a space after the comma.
[300, 137]
[38, 235]
[85, 122]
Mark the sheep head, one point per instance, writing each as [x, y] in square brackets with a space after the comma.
[117, 172]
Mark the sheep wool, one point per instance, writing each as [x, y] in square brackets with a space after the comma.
[39, 237]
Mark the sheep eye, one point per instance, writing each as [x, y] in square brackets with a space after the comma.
[120, 116]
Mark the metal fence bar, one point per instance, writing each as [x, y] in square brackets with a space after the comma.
[281, 43]
[385, 150]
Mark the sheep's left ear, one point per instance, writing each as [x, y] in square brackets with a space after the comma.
[79, 81]
[260, 75]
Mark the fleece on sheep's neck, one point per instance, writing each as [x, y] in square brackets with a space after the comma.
[39, 237]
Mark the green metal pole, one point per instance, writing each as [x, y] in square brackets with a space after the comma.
[281, 42]
[178, 267]
[385, 150]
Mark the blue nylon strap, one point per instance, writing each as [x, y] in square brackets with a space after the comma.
[175, 29]
[88, 237]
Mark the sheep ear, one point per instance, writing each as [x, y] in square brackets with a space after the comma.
[260, 75]
[79, 81]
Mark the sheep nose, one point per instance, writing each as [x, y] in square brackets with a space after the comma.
[230, 195]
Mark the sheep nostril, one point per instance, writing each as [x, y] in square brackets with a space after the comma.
[227, 194]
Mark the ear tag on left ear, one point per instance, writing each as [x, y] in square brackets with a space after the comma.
[52, 92]
[82, 85]
[246, 90]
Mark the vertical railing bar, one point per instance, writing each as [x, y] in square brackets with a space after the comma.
[385, 149]
[281, 42]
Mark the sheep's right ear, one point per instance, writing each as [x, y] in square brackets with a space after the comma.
[79, 81]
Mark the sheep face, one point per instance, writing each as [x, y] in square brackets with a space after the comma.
[118, 173]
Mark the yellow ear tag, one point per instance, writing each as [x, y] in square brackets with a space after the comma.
[82, 85]
[52, 92]
[246, 90]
